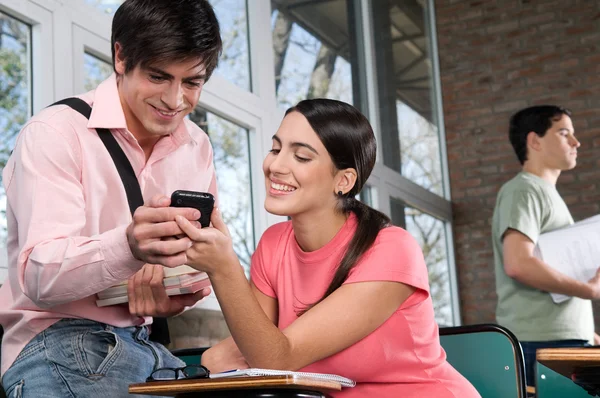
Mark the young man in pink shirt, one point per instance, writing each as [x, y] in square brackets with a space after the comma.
[70, 230]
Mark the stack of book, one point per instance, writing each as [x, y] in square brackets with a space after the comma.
[178, 280]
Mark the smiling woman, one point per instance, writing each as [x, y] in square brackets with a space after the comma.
[298, 171]
[337, 289]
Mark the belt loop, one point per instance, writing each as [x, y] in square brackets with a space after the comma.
[141, 333]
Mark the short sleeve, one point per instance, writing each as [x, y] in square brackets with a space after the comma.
[266, 258]
[258, 272]
[395, 256]
[521, 211]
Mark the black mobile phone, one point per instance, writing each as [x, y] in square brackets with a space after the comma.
[203, 201]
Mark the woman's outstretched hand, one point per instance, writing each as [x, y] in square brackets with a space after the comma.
[212, 249]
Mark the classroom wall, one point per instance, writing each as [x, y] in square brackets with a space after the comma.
[496, 57]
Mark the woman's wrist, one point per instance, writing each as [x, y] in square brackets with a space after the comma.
[226, 270]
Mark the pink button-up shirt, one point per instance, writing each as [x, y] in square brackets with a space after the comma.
[67, 213]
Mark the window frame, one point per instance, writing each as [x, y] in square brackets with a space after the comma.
[41, 76]
[389, 183]
[73, 28]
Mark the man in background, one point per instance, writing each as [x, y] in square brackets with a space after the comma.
[528, 205]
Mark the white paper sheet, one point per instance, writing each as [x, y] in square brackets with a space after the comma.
[573, 251]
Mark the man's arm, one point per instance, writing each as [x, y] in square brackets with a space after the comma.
[521, 265]
[56, 264]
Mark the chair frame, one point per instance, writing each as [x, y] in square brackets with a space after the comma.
[492, 327]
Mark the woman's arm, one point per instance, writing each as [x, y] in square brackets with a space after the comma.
[348, 315]
[226, 355]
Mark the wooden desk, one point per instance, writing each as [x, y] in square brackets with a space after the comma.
[582, 365]
[209, 387]
[567, 360]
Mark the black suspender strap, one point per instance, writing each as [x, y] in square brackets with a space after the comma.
[160, 328]
[132, 186]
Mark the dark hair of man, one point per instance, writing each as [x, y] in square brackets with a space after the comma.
[537, 119]
[349, 140]
[156, 32]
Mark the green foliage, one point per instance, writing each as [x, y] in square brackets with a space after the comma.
[13, 107]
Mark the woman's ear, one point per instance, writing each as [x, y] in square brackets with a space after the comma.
[345, 180]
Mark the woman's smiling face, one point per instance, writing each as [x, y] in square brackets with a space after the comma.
[299, 173]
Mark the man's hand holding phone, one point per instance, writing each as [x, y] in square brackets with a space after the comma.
[151, 231]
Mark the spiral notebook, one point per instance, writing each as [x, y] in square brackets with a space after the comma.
[344, 382]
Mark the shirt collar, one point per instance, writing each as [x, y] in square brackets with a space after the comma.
[107, 112]
[182, 135]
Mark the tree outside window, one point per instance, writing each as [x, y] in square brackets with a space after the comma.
[15, 92]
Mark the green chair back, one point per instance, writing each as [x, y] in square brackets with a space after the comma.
[191, 356]
[489, 356]
[550, 384]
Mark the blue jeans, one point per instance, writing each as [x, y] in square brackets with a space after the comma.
[78, 358]
[530, 348]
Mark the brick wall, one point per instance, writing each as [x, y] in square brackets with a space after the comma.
[496, 57]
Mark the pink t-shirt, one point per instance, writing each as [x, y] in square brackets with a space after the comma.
[401, 358]
[67, 212]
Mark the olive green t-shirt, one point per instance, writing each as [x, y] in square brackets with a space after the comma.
[532, 206]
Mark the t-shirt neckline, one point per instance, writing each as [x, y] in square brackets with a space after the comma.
[339, 241]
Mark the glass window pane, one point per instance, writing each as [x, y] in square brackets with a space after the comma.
[367, 196]
[312, 50]
[15, 93]
[406, 97]
[106, 6]
[96, 70]
[431, 235]
[232, 162]
[234, 64]
[419, 149]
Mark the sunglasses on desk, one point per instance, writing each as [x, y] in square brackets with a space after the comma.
[187, 372]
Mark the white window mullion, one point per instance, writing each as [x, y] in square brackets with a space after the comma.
[371, 74]
[42, 47]
[414, 194]
[437, 90]
[63, 54]
[261, 52]
[263, 85]
[86, 42]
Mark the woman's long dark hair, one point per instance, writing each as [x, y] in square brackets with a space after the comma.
[349, 140]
